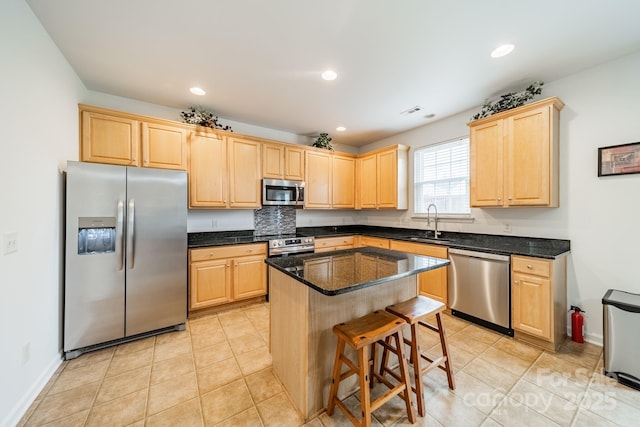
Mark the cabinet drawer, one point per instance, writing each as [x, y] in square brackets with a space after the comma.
[330, 242]
[374, 241]
[533, 266]
[218, 252]
[419, 249]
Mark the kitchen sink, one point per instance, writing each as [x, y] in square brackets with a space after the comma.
[427, 240]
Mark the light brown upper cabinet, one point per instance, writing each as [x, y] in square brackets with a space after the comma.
[109, 139]
[281, 161]
[343, 181]
[330, 180]
[514, 156]
[318, 179]
[123, 139]
[224, 172]
[244, 173]
[164, 146]
[208, 177]
[383, 179]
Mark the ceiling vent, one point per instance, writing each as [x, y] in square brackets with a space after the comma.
[411, 111]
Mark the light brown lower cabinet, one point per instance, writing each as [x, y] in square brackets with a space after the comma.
[223, 274]
[431, 284]
[326, 244]
[375, 242]
[539, 300]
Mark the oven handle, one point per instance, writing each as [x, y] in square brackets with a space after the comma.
[297, 251]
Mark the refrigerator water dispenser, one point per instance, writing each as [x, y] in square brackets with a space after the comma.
[96, 235]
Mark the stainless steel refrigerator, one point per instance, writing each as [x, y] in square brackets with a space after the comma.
[126, 254]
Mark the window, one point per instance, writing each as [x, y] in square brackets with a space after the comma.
[442, 178]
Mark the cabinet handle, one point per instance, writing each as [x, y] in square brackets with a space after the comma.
[515, 281]
[499, 199]
[529, 266]
[509, 198]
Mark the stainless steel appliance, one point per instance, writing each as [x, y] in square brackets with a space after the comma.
[621, 344]
[126, 254]
[278, 192]
[479, 289]
[284, 245]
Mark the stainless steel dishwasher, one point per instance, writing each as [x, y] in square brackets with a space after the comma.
[479, 289]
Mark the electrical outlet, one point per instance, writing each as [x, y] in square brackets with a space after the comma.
[26, 353]
[214, 223]
[10, 242]
[507, 228]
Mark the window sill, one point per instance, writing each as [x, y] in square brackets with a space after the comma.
[445, 218]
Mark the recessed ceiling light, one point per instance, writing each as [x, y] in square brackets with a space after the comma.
[329, 75]
[341, 128]
[429, 116]
[503, 50]
[197, 91]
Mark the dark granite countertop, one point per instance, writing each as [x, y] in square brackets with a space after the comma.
[339, 272]
[503, 245]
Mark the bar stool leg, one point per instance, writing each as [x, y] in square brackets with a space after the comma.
[445, 353]
[417, 369]
[404, 369]
[365, 393]
[335, 382]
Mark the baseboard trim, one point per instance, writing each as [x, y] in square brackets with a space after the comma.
[31, 394]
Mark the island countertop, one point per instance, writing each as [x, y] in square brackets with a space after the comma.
[339, 272]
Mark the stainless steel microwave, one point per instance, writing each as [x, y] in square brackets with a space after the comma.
[279, 192]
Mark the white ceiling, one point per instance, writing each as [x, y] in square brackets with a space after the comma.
[260, 61]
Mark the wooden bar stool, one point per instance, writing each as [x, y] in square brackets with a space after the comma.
[414, 312]
[377, 328]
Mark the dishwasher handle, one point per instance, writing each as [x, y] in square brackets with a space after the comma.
[481, 255]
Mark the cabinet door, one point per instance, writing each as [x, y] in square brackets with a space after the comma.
[387, 179]
[210, 283]
[294, 163]
[531, 305]
[528, 154]
[318, 173]
[249, 277]
[486, 164]
[273, 161]
[432, 284]
[208, 184]
[368, 182]
[344, 182]
[244, 173]
[110, 139]
[164, 146]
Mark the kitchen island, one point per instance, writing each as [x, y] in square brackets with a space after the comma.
[311, 293]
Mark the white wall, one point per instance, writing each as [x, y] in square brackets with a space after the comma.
[599, 215]
[39, 93]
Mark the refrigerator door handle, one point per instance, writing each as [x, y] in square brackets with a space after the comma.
[120, 235]
[131, 219]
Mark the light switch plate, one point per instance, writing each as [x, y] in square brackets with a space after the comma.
[10, 242]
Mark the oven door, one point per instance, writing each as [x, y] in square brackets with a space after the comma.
[277, 192]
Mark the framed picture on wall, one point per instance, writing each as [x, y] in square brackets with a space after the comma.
[619, 159]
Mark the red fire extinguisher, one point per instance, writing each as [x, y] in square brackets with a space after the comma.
[577, 323]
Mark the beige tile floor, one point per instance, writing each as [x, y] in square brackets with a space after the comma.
[218, 372]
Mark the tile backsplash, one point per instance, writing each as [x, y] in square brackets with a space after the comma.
[274, 220]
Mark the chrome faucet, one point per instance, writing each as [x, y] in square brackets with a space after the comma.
[436, 233]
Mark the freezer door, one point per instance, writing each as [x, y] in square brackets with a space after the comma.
[156, 260]
[94, 271]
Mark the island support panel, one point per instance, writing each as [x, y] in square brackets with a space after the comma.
[302, 342]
